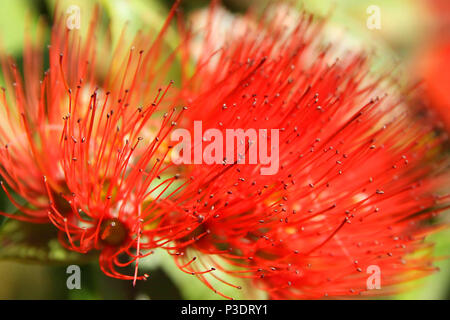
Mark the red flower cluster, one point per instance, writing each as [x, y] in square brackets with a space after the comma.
[358, 171]
[83, 148]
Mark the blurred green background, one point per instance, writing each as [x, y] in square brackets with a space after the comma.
[406, 27]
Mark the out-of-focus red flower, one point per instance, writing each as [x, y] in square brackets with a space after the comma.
[358, 172]
[441, 9]
[434, 61]
[436, 75]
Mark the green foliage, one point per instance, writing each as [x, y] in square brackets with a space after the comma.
[36, 243]
[12, 24]
[436, 286]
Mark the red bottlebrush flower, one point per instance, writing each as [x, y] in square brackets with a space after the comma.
[25, 130]
[88, 150]
[31, 125]
[357, 177]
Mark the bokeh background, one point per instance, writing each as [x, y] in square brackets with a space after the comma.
[414, 36]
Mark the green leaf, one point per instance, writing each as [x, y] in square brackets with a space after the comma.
[37, 243]
[434, 287]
